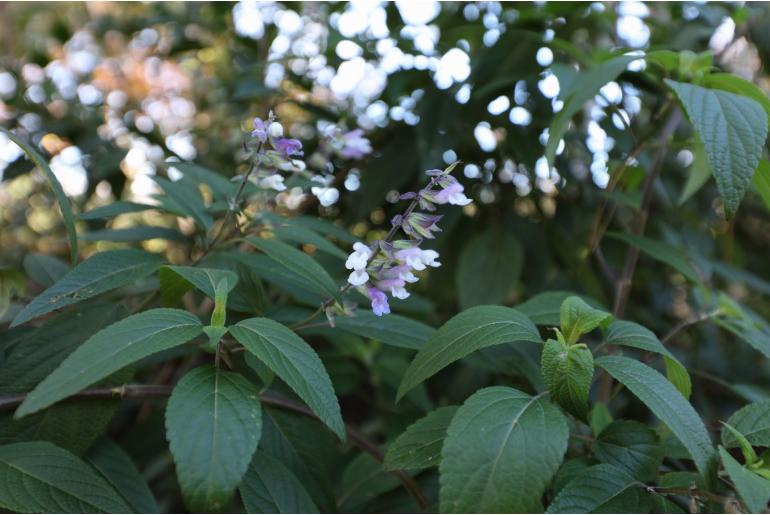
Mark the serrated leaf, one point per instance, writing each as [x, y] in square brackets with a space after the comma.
[270, 487]
[204, 279]
[39, 477]
[117, 468]
[471, 330]
[753, 488]
[44, 269]
[61, 198]
[598, 489]
[544, 308]
[753, 422]
[393, 330]
[568, 371]
[114, 209]
[733, 129]
[489, 267]
[668, 404]
[631, 334]
[111, 349]
[299, 264]
[296, 363]
[578, 318]
[419, 446]
[632, 447]
[738, 85]
[500, 453]
[213, 426]
[660, 251]
[100, 273]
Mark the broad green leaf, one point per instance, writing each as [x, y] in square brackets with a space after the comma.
[761, 181]
[569, 470]
[283, 278]
[213, 426]
[631, 334]
[61, 198]
[132, 234]
[500, 453]
[363, 480]
[585, 86]
[111, 349]
[699, 172]
[600, 418]
[300, 264]
[739, 85]
[668, 404]
[100, 273]
[204, 279]
[632, 447]
[221, 187]
[753, 422]
[114, 209]
[44, 269]
[753, 488]
[489, 267]
[471, 330]
[289, 229]
[393, 329]
[578, 318]
[419, 446]
[39, 477]
[599, 489]
[743, 323]
[733, 129]
[568, 371]
[270, 487]
[117, 468]
[326, 227]
[660, 251]
[544, 308]
[185, 197]
[295, 362]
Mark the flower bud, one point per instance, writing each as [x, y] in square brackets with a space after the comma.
[275, 130]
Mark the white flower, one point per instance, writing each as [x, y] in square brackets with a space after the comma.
[274, 181]
[399, 292]
[359, 258]
[429, 258]
[275, 130]
[326, 196]
[358, 277]
[417, 258]
[407, 275]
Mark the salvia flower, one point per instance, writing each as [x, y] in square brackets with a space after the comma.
[380, 304]
[260, 130]
[354, 145]
[288, 147]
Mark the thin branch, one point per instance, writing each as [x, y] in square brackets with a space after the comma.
[149, 391]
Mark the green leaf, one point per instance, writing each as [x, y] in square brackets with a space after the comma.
[700, 171]
[738, 85]
[132, 234]
[660, 251]
[733, 129]
[61, 198]
[270, 487]
[11, 280]
[291, 230]
[489, 267]
[568, 371]
[500, 453]
[111, 349]
[299, 264]
[753, 422]
[753, 488]
[392, 330]
[632, 447]
[598, 489]
[100, 273]
[544, 308]
[585, 86]
[761, 181]
[39, 477]
[743, 323]
[204, 279]
[296, 363]
[578, 318]
[118, 470]
[44, 269]
[419, 447]
[213, 426]
[186, 199]
[114, 209]
[600, 418]
[221, 187]
[631, 334]
[668, 404]
[471, 330]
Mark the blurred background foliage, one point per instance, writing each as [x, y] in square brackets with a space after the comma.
[115, 93]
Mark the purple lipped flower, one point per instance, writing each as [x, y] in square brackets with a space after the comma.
[354, 145]
[288, 147]
[380, 304]
[451, 192]
[260, 130]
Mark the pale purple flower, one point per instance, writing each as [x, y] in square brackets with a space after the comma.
[260, 130]
[358, 277]
[288, 147]
[451, 193]
[354, 145]
[379, 302]
[396, 287]
[359, 258]
[418, 259]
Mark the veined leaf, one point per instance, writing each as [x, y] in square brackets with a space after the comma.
[598, 489]
[500, 453]
[753, 422]
[578, 318]
[114, 209]
[661, 252]
[295, 362]
[61, 198]
[100, 273]
[39, 477]
[420, 445]
[544, 308]
[735, 84]
[392, 330]
[733, 129]
[204, 279]
[131, 234]
[471, 330]
[270, 487]
[665, 401]
[632, 447]
[213, 426]
[753, 488]
[185, 197]
[568, 371]
[44, 269]
[111, 349]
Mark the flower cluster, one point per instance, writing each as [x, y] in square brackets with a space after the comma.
[388, 265]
